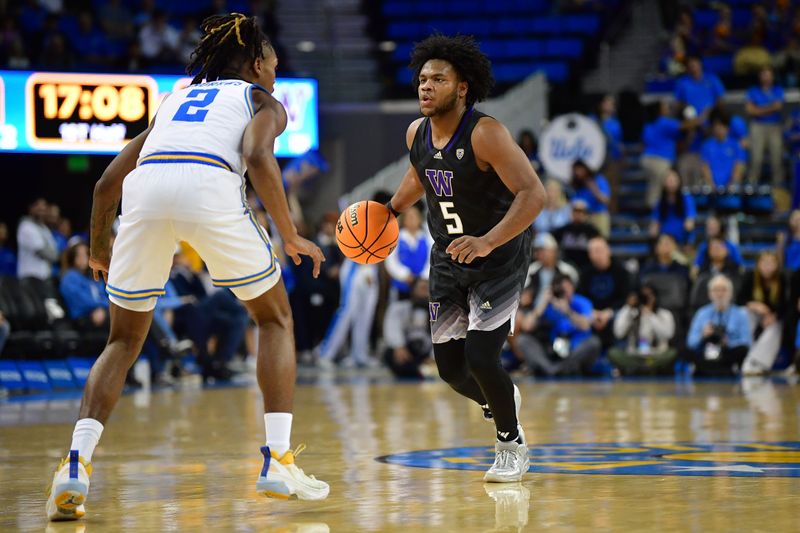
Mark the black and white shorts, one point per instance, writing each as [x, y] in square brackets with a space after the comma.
[462, 301]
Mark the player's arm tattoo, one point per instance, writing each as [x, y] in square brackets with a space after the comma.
[100, 231]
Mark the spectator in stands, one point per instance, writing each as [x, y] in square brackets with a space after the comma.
[721, 41]
[56, 54]
[719, 260]
[764, 105]
[544, 269]
[8, 259]
[53, 220]
[530, 145]
[159, 41]
[664, 259]
[607, 284]
[359, 299]
[723, 158]
[5, 331]
[147, 10]
[556, 213]
[189, 38]
[646, 330]
[572, 348]
[698, 89]
[575, 236]
[410, 259]
[89, 43]
[660, 138]
[37, 248]
[85, 298]
[764, 293]
[792, 134]
[753, 56]
[683, 41]
[406, 332]
[719, 335]
[675, 212]
[116, 20]
[607, 119]
[593, 188]
[17, 58]
[714, 228]
[326, 286]
[789, 243]
[787, 62]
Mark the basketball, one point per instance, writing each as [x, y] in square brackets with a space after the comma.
[367, 232]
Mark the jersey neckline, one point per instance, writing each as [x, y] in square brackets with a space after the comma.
[453, 139]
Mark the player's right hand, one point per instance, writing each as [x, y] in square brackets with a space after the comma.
[99, 268]
[298, 246]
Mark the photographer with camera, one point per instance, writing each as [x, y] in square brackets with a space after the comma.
[647, 330]
[719, 336]
[573, 349]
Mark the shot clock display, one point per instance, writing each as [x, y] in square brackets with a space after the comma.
[98, 113]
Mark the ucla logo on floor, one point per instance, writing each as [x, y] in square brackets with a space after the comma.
[748, 459]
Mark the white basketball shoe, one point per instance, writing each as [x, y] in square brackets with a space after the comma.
[281, 478]
[69, 489]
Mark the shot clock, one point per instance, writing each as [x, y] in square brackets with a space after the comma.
[59, 112]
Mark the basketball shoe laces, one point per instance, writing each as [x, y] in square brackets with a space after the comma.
[297, 451]
[506, 459]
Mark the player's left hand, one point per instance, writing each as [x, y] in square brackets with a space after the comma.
[298, 246]
[467, 248]
[99, 268]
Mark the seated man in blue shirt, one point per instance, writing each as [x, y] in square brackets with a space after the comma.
[719, 336]
[573, 348]
[764, 105]
[722, 156]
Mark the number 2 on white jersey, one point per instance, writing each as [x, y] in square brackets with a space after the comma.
[456, 227]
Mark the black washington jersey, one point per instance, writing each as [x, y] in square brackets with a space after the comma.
[463, 199]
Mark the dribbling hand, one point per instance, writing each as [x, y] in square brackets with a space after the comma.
[298, 246]
[467, 248]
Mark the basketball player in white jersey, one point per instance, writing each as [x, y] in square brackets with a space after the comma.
[182, 179]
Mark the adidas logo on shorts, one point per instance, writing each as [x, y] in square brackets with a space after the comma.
[486, 306]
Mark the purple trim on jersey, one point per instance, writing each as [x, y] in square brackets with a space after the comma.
[429, 136]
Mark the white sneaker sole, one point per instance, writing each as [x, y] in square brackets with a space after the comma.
[276, 486]
[66, 501]
[500, 478]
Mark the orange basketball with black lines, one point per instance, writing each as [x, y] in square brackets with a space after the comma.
[367, 232]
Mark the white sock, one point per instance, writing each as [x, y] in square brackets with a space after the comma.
[279, 431]
[85, 437]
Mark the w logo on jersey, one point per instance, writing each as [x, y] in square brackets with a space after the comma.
[441, 181]
[433, 307]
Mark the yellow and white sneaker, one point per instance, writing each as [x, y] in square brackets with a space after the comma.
[281, 478]
[69, 489]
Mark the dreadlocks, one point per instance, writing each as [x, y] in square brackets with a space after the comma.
[228, 41]
[463, 53]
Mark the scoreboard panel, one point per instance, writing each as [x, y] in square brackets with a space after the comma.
[57, 112]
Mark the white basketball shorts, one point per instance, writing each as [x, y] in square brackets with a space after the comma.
[165, 204]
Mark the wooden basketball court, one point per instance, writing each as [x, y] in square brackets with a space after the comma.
[606, 456]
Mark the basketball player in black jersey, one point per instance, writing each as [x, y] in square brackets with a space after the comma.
[483, 195]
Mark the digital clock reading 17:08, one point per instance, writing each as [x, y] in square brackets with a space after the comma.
[87, 110]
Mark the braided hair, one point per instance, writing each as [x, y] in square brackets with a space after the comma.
[228, 41]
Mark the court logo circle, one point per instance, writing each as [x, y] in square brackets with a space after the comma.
[738, 459]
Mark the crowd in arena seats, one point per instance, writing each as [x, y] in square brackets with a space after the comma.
[737, 39]
[113, 35]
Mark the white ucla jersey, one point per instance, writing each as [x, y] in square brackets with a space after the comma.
[203, 124]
